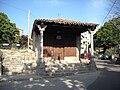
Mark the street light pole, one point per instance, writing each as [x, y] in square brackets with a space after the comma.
[28, 28]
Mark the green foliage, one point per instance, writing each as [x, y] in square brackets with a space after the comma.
[8, 31]
[111, 51]
[24, 41]
[1, 53]
[109, 34]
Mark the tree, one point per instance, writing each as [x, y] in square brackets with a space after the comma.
[24, 41]
[9, 33]
[108, 35]
[116, 9]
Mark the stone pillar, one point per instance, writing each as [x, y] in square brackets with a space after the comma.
[92, 62]
[41, 44]
[40, 63]
[80, 48]
[92, 43]
[78, 43]
[77, 49]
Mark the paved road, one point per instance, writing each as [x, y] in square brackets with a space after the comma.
[109, 78]
[75, 82]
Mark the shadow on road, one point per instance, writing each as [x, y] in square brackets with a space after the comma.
[45, 84]
[109, 78]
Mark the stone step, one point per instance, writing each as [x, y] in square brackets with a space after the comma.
[66, 73]
[59, 69]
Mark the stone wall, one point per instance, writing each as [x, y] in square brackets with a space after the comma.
[24, 62]
[18, 61]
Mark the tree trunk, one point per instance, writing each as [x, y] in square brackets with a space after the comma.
[104, 49]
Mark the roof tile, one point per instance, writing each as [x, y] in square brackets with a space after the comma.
[65, 21]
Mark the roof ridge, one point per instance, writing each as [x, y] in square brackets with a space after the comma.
[68, 21]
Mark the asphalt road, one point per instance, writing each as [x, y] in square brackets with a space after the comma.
[109, 78]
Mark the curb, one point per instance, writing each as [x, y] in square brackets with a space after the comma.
[19, 78]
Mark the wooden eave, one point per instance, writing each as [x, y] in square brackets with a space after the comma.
[59, 22]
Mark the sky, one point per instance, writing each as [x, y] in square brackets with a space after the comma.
[93, 11]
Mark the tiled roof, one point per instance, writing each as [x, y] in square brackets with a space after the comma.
[65, 21]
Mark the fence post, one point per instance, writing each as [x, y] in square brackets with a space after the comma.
[1, 66]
